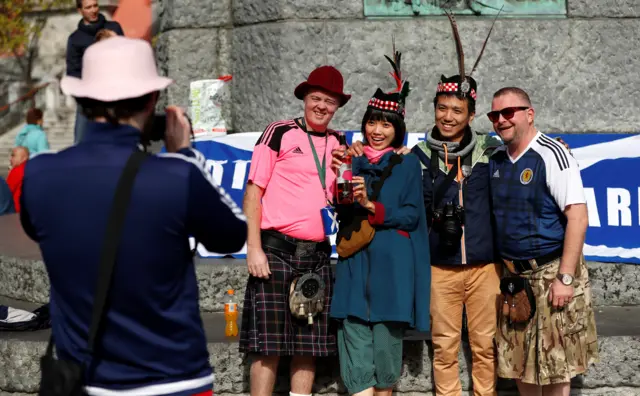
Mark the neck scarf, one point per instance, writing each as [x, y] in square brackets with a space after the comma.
[454, 149]
[374, 155]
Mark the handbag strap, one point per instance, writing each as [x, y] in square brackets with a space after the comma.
[110, 245]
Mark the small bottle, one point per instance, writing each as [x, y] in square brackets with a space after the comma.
[344, 179]
[231, 315]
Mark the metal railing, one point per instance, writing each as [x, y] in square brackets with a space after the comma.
[46, 96]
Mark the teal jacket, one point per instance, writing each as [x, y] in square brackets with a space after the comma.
[390, 279]
[33, 138]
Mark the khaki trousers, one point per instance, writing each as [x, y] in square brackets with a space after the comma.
[453, 287]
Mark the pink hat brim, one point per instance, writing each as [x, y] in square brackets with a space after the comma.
[112, 91]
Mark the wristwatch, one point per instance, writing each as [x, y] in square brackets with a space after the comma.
[566, 279]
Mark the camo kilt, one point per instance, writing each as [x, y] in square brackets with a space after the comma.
[268, 328]
[554, 346]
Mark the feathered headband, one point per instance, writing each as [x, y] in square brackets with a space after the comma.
[394, 100]
[462, 83]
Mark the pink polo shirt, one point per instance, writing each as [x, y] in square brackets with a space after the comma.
[283, 165]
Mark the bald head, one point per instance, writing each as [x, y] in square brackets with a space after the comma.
[19, 155]
[519, 92]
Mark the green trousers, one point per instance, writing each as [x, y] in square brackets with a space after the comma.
[370, 354]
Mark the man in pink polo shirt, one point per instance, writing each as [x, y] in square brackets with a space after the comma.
[290, 181]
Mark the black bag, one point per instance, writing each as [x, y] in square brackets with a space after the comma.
[64, 377]
[40, 321]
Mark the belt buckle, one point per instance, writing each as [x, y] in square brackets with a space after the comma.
[305, 249]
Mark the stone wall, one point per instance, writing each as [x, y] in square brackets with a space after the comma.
[613, 375]
[27, 280]
[580, 71]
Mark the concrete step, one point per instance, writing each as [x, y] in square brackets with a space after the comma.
[615, 374]
[23, 277]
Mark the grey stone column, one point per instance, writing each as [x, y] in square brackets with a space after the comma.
[194, 44]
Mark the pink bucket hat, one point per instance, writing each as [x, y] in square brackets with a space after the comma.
[116, 69]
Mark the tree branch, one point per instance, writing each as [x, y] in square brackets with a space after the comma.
[18, 59]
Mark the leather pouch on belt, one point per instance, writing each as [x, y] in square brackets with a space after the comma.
[517, 299]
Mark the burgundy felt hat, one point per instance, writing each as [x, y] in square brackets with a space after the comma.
[326, 78]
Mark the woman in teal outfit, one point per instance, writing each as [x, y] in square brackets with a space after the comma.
[32, 136]
[384, 287]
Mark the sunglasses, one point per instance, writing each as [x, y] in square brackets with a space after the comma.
[507, 113]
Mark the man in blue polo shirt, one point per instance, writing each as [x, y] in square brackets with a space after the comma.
[540, 216]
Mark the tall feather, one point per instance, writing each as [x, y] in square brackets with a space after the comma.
[395, 64]
[404, 92]
[485, 42]
[456, 37]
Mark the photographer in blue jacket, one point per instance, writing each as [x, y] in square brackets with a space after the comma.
[153, 341]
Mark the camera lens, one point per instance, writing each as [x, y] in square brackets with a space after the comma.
[449, 227]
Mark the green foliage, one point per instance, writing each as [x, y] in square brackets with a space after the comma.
[21, 24]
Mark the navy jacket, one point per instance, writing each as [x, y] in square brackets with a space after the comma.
[390, 279]
[82, 38]
[477, 244]
[153, 333]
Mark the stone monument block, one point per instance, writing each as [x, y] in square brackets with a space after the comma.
[269, 60]
[567, 66]
[615, 374]
[251, 11]
[604, 8]
[191, 14]
[186, 55]
[26, 280]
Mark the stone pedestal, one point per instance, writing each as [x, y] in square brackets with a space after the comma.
[571, 66]
[24, 284]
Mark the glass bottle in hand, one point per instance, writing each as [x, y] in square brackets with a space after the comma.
[344, 180]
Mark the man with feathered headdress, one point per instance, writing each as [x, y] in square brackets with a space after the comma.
[456, 194]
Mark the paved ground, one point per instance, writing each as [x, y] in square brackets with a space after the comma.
[611, 321]
[15, 243]
[214, 325]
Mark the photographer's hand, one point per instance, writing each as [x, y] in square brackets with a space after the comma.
[178, 132]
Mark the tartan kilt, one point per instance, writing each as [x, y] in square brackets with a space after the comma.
[268, 328]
